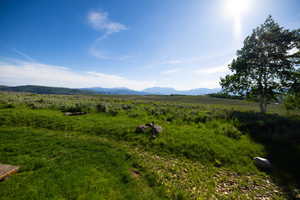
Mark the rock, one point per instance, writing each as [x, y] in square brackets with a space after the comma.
[157, 129]
[141, 129]
[74, 113]
[262, 162]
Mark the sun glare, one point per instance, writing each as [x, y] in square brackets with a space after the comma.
[236, 8]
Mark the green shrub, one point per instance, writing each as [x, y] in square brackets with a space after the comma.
[103, 107]
[75, 108]
[6, 105]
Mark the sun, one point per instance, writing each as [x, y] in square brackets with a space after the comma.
[236, 8]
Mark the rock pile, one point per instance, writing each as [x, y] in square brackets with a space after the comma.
[155, 129]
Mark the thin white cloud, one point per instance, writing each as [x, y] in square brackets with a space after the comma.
[179, 61]
[188, 75]
[99, 54]
[192, 77]
[212, 70]
[24, 55]
[101, 22]
[172, 62]
[170, 71]
[23, 72]
[196, 61]
[16, 72]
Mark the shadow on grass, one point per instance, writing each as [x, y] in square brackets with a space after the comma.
[281, 139]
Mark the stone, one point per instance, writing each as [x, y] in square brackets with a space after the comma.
[157, 129]
[262, 162]
[74, 113]
[141, 129]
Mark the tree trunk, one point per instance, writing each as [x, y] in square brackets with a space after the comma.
[263, 104]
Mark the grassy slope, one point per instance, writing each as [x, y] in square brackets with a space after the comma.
[205, 142]
[56, 165]
[72, 165]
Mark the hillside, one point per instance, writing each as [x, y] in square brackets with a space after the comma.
[44, 90]
[117, 91]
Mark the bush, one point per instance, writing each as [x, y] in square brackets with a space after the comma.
[6, 105]
[292, 102]
[102, 107]
[74, 108]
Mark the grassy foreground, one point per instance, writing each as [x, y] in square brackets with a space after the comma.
[204, 152]
[56, 165]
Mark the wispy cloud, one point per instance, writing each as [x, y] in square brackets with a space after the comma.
[20, 72]
[101, 22]
[199, 60]
[24, 55]
[170, 71]
[98, 53]
[189, 77]
[24, 72]
[173, 62]
[212, 70]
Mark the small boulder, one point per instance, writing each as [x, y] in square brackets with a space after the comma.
[157, 129]
[67, 113]
[74, 113]
[154, 129]
[262, 162]
[141, 129]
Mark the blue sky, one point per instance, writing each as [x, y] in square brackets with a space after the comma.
[129, 43]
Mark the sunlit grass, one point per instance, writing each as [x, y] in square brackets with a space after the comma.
[219, 136]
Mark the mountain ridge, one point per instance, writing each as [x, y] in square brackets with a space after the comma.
[169, 91]
[99, 90]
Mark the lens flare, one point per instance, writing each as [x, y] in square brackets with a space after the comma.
[235, 9]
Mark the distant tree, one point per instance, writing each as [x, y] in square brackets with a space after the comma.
[265, 65]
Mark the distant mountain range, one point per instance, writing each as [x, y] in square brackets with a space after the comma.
[98, 90]
[169, 91]
[122, 90]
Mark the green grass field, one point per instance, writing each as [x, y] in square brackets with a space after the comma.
[204, 152]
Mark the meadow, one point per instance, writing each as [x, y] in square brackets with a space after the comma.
[205, 151]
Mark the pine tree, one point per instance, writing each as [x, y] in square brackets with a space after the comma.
[264, 66]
